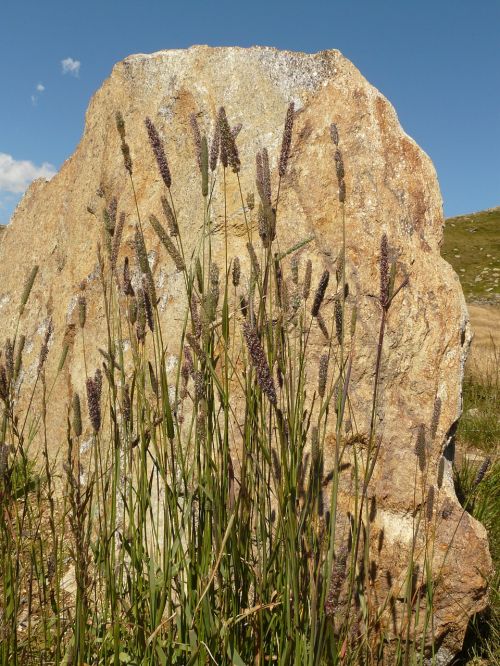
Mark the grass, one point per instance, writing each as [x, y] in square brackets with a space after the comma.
[479, 427]
[482, 641]
[472, 246]
[201, 526]
[477, 440]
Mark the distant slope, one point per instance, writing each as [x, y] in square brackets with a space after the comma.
[472, 246]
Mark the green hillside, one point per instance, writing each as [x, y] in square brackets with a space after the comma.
[472, 246]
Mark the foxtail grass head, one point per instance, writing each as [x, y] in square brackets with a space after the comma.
[128, 289]
[172, 225]
[286, 141]
[77, 415]
[323, 374]
[94, 389]
[259, 362]
[306, 286]
[263, 177]
[27, 288]
[384, 271]
[421, 448]
[228, 148]
[159, 152]
[481, 473]
[44, 350]
[320, 293]
[236, 271]
[120, 126]
[215, 147]
[167, 243]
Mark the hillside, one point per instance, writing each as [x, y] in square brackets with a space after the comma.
[472, 246]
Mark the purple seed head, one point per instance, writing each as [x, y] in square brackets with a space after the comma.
[214, 147]
[482, 471]
[159, 152]
[320, 293]
[259, 362]
[384, 271]
[286, 141]
[94, 389]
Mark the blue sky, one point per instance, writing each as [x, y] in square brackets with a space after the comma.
[438, 62]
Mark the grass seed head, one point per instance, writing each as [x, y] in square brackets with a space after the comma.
[132, 311]
[294, 266]
[126, 404]
[167, 243]
[82, 310]
[306, 287]
[236, 271]
[120, 125]
[320, 293]
[323, 374]
[159, 152]
[339, 320]
[204, 166]
[27, 288]
[4, 384]
[436, 413]
[140, 251]
[127, 158]
[286, 141]
[140, 324]
[263, 177]
[253, 259]
[482, 471]
[94, 389]
[172, 225]
[214, 285]
[147, 303]
[44, 350]
[384, 271]
[215, 147]
[9, 359]
[77, 415]
[421, 447]
[322, 325]
[229, 150]
[117, 239]
[195, 316]
[128, 290]
[19, 356]
[429, 505]
[440, 473]
[259, 362]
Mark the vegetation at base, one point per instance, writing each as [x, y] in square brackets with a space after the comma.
[482, 641]
[471, 245]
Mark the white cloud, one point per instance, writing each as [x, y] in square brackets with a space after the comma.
[70, 66]
[16, 175]
[40, 89]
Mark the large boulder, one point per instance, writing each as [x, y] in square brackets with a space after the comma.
[391, 189]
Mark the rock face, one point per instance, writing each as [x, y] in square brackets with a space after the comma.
[391, 188]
